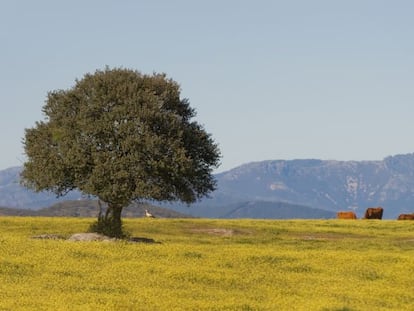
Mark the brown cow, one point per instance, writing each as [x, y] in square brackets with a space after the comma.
[406, 217]
[374, 213]
[346, 215]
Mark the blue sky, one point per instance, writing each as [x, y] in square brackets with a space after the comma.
[269, 79]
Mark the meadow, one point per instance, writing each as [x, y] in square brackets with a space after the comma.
[204, 264]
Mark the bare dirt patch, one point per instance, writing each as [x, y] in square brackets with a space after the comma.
[89, 237]
[219, 231]
[143, 240]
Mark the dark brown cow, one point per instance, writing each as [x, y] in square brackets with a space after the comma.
[346, 215]
[406, 217]
[374, 213]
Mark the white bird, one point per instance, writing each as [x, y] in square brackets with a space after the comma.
[148, 214]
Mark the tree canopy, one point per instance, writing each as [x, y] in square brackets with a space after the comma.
[121, 136]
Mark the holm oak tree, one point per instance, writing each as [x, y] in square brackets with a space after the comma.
[121, 136]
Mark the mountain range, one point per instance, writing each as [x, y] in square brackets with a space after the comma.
[327, 185]
[13, 195]
[305, 188]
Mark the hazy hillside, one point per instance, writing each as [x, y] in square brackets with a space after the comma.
[277, 210]
[12, 194]
[254, 209]
[89, 208]
[312, 184]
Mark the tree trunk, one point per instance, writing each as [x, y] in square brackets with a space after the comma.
[109, 224]
[113, 218]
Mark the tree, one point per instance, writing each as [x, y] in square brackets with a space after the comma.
[121, 136]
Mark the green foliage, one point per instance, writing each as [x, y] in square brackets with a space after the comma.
[121, 136]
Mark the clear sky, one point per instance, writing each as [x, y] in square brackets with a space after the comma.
[270, 79]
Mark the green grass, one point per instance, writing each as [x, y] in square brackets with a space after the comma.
[252, 265]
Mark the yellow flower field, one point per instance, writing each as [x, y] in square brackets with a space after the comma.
[201, 264]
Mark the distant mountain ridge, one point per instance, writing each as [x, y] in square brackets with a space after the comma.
[13, 195]
[270, 188]
[330, 185]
